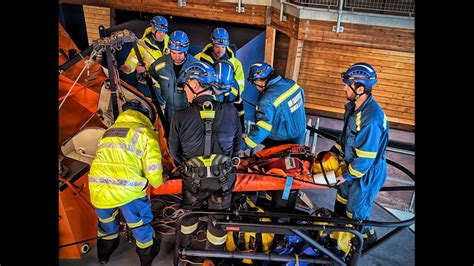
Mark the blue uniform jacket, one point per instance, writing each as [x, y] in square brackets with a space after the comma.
[363, 143]
[162, 71]
[279, 114]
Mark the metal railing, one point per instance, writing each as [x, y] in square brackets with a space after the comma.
[313, 145]
[389, 7]
[404, 7]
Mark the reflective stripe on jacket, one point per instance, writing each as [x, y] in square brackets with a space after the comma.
[127, 158]
[279, 114]
[148, 50]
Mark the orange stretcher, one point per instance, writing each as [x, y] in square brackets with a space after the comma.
[266, 170]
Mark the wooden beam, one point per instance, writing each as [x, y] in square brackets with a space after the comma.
[211, 10]
[294, 59]
[112, 17]
[289, 26]
[270, 34]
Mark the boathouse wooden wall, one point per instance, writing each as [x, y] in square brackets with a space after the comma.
[321, 53]
[327, 54]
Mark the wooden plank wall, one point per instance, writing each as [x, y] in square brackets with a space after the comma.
[327, 54]
[320, 76]
[96, 16]
[282, 43]
[270, 34]
[202, 9]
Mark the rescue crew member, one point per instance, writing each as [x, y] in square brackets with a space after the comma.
[152, 45]
[219, 49]
[279, 118]
[227, 86]
[279, 113]
[128, 159]
[166, 71]
[361, 148]
[204, 138]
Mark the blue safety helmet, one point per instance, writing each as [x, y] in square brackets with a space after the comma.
[361, 73]
[159, 23]
[136, 105]
[220, 37]
[259, 70]
[225, 76]
[178, 41]
[202, 72]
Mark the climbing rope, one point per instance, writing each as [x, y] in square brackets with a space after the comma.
[86, 66]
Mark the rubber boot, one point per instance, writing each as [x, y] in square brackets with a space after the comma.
[105, 248]
[369, 237]
[340, 208]
[147, 254]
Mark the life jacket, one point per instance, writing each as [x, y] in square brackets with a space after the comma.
[329, 162]
[215, 165]
[250, 241]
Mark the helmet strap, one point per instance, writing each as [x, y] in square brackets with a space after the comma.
[357, 95]
[262, 87]
[189, 86]
[196, 94]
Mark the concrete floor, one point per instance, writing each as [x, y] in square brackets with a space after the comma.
[400, 250]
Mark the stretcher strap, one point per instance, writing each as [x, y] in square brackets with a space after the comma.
[286, 191]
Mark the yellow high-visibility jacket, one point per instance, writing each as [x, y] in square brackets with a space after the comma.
[205, 56]
[148, 50]
[128, 158]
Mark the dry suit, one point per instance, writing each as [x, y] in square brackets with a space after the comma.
[128, 159]
[203, 139]
[362, 146]
[279, 119]
[207, 56]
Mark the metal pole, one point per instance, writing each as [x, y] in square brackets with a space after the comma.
[412, 200]
[396, 150]
[250, 255]
[112, 81]
[339, 16]
[281, 9]
[394, 179]
[315, 138]
[239, 7]
[319, 246]
[307, 134]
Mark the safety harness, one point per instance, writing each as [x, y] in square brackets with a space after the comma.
[209, 165]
